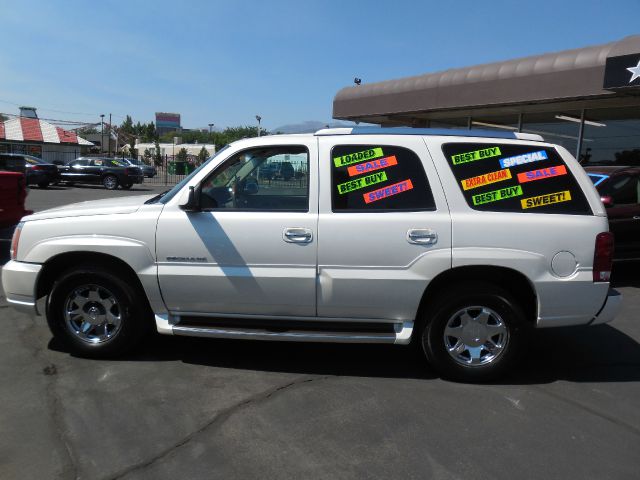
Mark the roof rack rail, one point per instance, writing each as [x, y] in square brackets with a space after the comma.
[449, 132]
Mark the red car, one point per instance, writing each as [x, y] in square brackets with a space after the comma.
[619, 188]
[13, 194]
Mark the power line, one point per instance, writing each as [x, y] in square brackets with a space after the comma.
[61, 111]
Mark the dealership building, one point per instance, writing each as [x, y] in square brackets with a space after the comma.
[587, 99]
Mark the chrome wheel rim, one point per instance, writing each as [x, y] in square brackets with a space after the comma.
[93, 314]
[475, 336]
[110, 182]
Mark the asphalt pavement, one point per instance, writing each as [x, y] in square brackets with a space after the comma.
[201, 409]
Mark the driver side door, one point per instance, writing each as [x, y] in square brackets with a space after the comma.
[251, 250]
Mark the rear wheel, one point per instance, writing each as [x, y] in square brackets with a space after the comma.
[110, 182]
[473, 334]
[43, 184]
[96, 313]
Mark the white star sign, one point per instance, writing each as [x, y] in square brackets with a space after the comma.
[635, 72]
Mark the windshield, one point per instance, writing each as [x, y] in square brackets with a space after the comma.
[169, 194]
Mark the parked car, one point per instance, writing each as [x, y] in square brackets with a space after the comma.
[459, 241]
[13, 194]
[619, 189]
[148, 171]
[277, 171]
[109, 172]
[37, 171]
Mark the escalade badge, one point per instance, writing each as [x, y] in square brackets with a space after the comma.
[187, 259]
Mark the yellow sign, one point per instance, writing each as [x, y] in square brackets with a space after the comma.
[548, 199]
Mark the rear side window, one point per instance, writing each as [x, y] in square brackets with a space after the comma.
[515, 178]
[378, 178]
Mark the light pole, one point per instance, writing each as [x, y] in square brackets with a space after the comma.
[210, 128]
[102, 133]
[258, 118]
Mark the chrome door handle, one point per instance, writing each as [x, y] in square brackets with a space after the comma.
[637, 217]
[422, 236]
[297, 235]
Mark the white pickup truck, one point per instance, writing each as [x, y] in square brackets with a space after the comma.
[459, 241]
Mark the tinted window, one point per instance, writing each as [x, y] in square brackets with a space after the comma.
[624, 189]
[378, 178]
[515, 178]
[254, 180]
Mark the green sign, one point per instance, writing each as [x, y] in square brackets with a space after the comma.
[476, 155]
[496, 195]
[362, 182]
[357, 157]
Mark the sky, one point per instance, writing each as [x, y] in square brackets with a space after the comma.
[226, 62]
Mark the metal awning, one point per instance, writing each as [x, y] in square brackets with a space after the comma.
[575, 78]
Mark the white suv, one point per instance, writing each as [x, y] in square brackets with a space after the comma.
[458, 240]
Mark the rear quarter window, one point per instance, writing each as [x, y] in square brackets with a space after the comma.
[499, 177]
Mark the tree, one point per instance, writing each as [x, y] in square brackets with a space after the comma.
[88, 130]
[147, 155]
[127, 126]
[182, 155]
[203, 155]
[157, 157]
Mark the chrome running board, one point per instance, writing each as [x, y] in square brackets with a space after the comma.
[320, 330]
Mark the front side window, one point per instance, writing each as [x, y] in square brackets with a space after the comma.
[267, 178]
[515, 178]
[378, 178]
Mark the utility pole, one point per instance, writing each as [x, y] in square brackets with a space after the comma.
[102, 133]
[258, 118]
[109, 134]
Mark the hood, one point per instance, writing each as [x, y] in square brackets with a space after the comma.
[108, 206]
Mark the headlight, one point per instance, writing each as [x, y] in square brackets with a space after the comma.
[13, 253]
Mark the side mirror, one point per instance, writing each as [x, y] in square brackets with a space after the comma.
[607, 201]
[250, 188]
[190, 201]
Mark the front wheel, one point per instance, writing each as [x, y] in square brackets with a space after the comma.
[95, 313]
[473, 334]
[43, 184]
[110, 182]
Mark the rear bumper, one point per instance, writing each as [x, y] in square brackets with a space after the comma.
[19, 285]
[610, 309]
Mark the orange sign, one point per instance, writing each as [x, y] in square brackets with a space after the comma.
[372, 165]
[486, 179]
[542, 173]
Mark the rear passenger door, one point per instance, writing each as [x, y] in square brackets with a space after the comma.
[384, 227]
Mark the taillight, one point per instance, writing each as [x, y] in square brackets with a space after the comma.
[13, 253]
[38, 167]
[603, 257]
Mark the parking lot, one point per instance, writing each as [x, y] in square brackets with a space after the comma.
[195, 408]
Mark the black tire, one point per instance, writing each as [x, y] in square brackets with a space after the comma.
[70, 184]
[126, 186]
[110, 182]
[43, 184]
[507, 315]
[132, 310]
